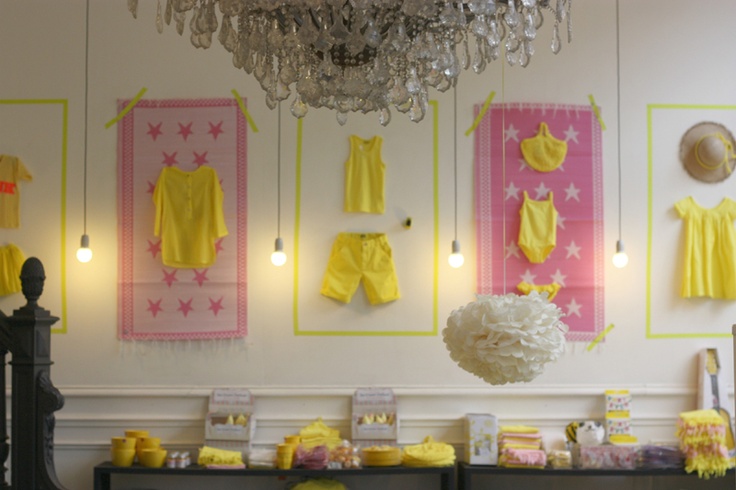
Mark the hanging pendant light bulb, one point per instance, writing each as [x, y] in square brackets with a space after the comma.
[278, 257]
[620, 259]
[456, 258]
[84, 253]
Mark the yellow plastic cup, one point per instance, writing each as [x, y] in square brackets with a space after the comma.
[284, 461]
[147, 443]
[293, 439]
[136, 433]
[122, 457]
[123, 442]
[152, 457]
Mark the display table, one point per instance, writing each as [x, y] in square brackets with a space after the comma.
[104, 472]
[478, 476]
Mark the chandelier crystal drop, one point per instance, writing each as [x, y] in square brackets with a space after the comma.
[364, 55]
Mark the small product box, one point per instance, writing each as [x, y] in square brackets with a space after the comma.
[375, 420]
[230, 422]
[607, 457]
[481, 438]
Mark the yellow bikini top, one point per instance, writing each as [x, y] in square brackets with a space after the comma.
[544, 152]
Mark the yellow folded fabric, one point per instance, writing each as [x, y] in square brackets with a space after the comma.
[319, 484]
[521, 446]
[429, 453]
[210, 455]
[518, 429]
[319, 434]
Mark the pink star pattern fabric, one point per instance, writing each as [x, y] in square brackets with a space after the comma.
[577, 262]
[156, 302]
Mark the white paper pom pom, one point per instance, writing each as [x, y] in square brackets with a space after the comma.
[506, 339]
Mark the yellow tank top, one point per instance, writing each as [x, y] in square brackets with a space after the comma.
[364, 177]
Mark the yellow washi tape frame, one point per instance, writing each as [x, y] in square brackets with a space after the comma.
[436, 209]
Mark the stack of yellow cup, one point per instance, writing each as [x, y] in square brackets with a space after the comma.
[136, 435]
[285, 452]
[123, 451]
[284, 456]
[150, 453]
[138, 444]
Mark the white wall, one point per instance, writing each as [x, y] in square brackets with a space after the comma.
[672, 52]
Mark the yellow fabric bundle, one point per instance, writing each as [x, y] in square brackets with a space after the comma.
[518, 429]
[428, 453]
[702, 436]
[319, 484]
[318, 434]
[211, 455]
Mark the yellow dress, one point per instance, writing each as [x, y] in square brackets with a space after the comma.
[365, 177]
[189, 216]
[709, 267]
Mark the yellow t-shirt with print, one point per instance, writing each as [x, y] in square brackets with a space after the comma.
[12, 171]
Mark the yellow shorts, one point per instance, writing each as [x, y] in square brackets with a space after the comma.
[11, 261]
[357, 256]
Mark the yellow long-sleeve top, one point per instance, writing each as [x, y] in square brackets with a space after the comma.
[189, 216]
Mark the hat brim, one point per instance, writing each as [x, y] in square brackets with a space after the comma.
[689, 161]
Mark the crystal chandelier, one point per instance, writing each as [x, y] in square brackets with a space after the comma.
[364, 55]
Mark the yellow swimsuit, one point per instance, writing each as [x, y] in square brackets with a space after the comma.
[538, 229]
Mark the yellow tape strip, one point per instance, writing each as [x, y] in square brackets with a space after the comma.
[597, 112]
[297, 220]
[63, 208]
[600, 337]
[245, 112]
[650, 220]
[127, 108]
[297, 224]
[482, 113]
[436, 195]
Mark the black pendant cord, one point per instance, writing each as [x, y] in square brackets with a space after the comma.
[454, 92]
[86, 113]
[618, 115]
[278, 173]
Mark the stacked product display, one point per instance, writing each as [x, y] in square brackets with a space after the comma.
[702, 436]
[520, 446]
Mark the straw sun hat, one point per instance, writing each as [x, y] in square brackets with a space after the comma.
[707, 152]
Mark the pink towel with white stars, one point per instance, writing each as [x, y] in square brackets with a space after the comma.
[577, 261]
[156, 302]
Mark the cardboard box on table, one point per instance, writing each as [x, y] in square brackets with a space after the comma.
[481, 438]
[230, 423]
[375, 419]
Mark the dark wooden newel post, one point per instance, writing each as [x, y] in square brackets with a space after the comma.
[27, 336]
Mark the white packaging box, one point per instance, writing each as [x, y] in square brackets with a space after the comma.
[226, 407]
[481, 438]
[375, 419]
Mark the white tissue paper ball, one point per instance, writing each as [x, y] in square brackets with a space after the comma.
[506, 339]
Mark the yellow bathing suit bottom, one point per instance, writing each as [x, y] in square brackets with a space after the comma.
[551, 289]
[361, 256]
